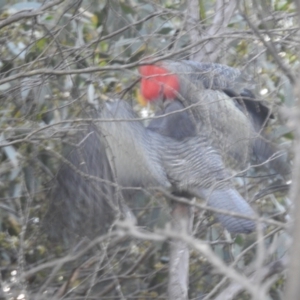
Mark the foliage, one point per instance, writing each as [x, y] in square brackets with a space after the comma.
[57, 59]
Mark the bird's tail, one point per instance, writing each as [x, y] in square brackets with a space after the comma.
[230, 200]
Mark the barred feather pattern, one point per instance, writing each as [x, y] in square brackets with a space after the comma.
[233, 125]
[190, 165]
[217, 116]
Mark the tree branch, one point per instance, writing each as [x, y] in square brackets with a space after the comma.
[212, 48]
[26, 15]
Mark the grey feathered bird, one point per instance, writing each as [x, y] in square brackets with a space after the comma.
[166, 154]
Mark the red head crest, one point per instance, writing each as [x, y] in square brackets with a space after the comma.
[156, 81]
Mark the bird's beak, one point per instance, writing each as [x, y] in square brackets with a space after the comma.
[140, 99]
[158, 104]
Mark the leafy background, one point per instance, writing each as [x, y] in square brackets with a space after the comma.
[57, 58]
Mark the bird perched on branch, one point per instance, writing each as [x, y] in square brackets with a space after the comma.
[113, 158]
[220, 103]
[214, 105]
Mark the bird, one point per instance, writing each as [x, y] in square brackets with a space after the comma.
[145, 157]
[129, 155]
[220, 103]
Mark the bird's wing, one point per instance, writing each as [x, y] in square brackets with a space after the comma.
[129, 148]
[83, 196]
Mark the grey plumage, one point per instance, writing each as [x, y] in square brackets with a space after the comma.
[205, 167]
[175, 121]
[211, 75]
[223, 112]
[133, 157]
[224, 107]
[123, 155]
[80, 205]
[188, 165]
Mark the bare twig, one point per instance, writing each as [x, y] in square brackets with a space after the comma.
[235, 288]
[202, 247]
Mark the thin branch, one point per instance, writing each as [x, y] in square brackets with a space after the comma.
[26, 15]
[212, 48]
[235, 288]
[138, 263]
[271, 49]
[202, 247]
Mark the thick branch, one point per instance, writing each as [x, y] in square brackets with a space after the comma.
[293, 287]
[179, 253]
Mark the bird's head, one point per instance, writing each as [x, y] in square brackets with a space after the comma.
[158, 83]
